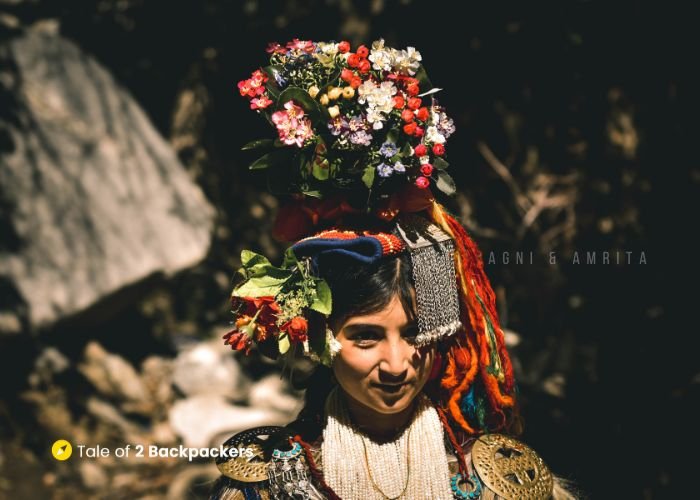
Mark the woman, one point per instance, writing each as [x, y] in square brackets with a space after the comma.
[414, 393]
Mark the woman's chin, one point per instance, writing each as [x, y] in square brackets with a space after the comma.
[384, 402]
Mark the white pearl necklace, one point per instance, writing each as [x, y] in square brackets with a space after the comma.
[413, 466]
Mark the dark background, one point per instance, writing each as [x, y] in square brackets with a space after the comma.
[595, 99]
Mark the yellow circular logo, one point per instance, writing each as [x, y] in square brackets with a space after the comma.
[61, 450]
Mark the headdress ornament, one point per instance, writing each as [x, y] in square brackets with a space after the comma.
[361, 140]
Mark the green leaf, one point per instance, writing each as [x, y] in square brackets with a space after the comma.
[260, 143]
[272, 158]
[368, 177]
[283, 343]
[445, 183]
[302, 98]
[290, 259]
[319, 172]
[272, 88]
[423, 80]
[440, 164]
[323, 301]
[314, 194]
[406, 150]
[250, 259]
[260, 286]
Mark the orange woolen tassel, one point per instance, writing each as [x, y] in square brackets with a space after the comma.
[470, 271]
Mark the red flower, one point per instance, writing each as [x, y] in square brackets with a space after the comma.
[407, 115]
[423, 113]
[343, 47]
[238, 341]
[347, 75]
[399, 102]
[362, 51]
[297, 329]
[426, 169]
[413, 89]
[410, 128]
[422, 182]
[414, 102]
[365, 66]
[356, 82]
[421, 150]
[419, 132]
[353, 60]
[438, 149]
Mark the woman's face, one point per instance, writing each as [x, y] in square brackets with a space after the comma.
[378, 365]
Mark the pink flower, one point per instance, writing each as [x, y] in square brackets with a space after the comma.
[438, 149]
[422, 182]
[343, 47]
[292, 125]
[260, 103]
[275, 47]
[362, 51]
[246, 88]
[302, 45]
[420, 150]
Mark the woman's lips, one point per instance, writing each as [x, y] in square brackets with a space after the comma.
[391, 388]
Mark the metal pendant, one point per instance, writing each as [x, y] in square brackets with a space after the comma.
[244, 468]
[511, 469]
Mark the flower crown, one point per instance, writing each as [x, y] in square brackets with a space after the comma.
[347, 121]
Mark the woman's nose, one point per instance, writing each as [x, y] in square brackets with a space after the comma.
[393, 366]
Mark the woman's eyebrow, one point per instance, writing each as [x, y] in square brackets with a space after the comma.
[362, 326]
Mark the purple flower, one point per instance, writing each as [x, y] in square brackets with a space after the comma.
[384, 170]
[388, 149]
[399, 167]
[361, 137]
[338, 125]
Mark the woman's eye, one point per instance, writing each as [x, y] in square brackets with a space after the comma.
[365, 337]
[410, 335]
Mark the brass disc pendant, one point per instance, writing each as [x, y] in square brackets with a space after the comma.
[511, 469]
[247, 469]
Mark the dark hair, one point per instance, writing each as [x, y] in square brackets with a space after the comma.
[359, 289]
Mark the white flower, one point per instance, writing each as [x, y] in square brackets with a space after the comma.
[382, 58]
[434, 136]
[379, 101]
[424, 159]
[407, 61]
[326, 55]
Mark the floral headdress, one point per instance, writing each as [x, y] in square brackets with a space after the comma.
[361, 133]
[363, 121]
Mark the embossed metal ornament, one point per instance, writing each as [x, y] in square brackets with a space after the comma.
[511, 469]
[245, 468]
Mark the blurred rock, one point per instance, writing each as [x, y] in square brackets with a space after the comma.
[198, 420]
[92, 475]
[157, 379]
[111, 374]
[92, 198]
[107, 414]
[271, 392]
[206, 368]
[49, 363]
